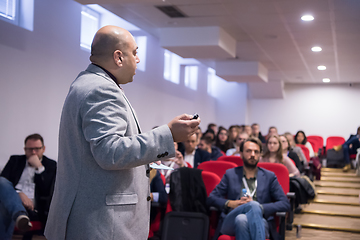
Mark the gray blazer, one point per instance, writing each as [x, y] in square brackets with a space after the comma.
[102, 182]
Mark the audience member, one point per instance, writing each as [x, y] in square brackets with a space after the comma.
[300, 138]
[350, 147]
[209, 133]
[272, 131]
[233, 132]
[236, 150]
[255, 132]
[192, 154]
[26, 181]
[274, 154]
[206, 145]
[287, 151]
[222, 139]
[158, 193]
[296, 149]
[250, 216]
[248, 130]
[198, 134]
[213, 127]
[174, 162]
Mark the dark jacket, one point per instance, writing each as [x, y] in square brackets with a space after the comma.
[200, 156]
[44, 182]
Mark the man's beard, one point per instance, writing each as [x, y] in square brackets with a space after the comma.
[249, 165]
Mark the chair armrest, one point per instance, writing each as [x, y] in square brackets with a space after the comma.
[282, 221]
[290, 218]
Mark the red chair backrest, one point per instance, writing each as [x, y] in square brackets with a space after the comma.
[211, 180]
[217, 167]
[305, 151]
[333, 141]
[317, 140]
[235, 159]
[281, 172]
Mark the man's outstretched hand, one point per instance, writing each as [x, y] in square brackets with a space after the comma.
[183, 126]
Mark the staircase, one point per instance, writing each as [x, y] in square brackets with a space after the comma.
[335, 212]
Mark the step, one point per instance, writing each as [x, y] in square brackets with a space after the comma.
[338, 174]
[331, 210]
[338, 191]
[337, 184]
[340, 179]
[316, 234]
[327, 222]
[336, 170]
[336, 199]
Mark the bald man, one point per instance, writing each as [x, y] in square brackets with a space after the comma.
[102, 185]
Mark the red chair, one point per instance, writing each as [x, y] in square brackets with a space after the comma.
[282, 175]
[318, 143]
[211, 180]
[235, 159]
[217, 167]
[333, 141]
[305, 151]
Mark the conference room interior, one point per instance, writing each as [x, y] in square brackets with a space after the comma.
[255, 65]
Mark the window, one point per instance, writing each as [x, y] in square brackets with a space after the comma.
[191, 77]
[141, 43]
[18, 12]
[212, 82]
[89, 25]
[8, 9]
[172, 67]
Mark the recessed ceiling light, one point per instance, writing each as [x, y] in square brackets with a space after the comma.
[321, 67]
[316, 49]
[326, 80]
[307, 18]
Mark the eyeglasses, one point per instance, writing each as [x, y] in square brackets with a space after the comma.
[36, 149]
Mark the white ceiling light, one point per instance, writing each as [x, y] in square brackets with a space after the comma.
[326, 80]
[316, 49]
[307, 18]
[321, 67]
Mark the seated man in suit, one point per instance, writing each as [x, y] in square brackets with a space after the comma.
[206, 145]
[350, 147]
[26, 187]
[194, 155]
[249, 215]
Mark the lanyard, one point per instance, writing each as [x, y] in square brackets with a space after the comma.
[251, 194]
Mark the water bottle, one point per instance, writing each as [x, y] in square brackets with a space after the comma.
[244, 193]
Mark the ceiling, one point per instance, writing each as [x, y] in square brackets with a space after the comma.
[269, 33]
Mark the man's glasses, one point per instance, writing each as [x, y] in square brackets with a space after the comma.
[36, 149]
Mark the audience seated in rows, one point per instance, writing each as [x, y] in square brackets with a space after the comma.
[274, 154]
[239, 139]
[300, 138]
[206, 145]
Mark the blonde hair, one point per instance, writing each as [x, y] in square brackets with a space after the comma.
[279, 152]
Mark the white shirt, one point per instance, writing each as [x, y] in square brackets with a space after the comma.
[231, 151]
[190, 158]
[26, 183]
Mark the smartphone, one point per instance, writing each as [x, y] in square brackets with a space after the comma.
[195, 116]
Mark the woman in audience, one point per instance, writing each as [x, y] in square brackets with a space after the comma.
[295, 148]
[274, 154]
[222, 139]
[233, 132]
[300, 138]
[287, 151]
[236, 150]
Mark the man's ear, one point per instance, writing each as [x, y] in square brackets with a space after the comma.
[118, 57]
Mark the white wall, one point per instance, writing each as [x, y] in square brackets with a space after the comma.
[37, 68]
[316, 109]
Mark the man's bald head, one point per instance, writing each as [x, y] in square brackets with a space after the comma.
[107, 40]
